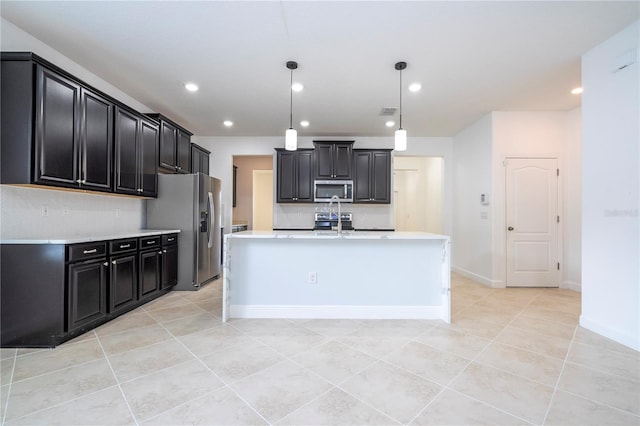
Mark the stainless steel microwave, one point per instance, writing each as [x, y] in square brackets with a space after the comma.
[323, 190]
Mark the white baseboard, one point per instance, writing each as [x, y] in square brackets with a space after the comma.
[336, 312]
[478, 278]
[571, 285]
[623, 338]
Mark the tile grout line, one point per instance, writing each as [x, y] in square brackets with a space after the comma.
[126, 401]
[555, 388]
[474, 359]
[6, 403]
[226, 385]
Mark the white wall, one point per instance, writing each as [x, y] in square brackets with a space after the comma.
[523, 134]
[572, 271]
[301, 216]
[610, 184]
[472, 234]
[69, 213]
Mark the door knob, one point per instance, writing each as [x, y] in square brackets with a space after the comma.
[510, 228]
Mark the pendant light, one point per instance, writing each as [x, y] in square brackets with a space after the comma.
[291, 136]
[400, 140]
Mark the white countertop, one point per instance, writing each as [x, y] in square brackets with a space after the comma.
[74, 239]
[350, 235]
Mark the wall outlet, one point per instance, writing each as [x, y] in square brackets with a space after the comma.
[313, 278]
[66, 211]
[45, 210]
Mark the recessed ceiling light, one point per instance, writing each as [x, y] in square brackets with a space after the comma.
[192, 87]
[415, 87]
[576, 91]
[390, 123]
[304, 123]
[297, 87]
[228, 123]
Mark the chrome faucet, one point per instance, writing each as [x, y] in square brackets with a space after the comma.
[336, 198]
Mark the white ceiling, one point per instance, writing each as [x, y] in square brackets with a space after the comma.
[471, 58]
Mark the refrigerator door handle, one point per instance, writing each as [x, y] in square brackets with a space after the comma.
[211, 211]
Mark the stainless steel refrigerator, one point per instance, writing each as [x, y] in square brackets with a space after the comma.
[191, 203]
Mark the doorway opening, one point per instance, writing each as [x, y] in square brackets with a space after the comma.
[418, 184]
[253, 198]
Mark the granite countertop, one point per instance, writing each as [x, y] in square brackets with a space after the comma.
[75, 239]
[350, 235]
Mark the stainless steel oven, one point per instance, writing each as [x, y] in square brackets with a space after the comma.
[323, 190]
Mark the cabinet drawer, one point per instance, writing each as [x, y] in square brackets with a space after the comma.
[169, 239]
[150, 242]
[79, 252]
[123, 246]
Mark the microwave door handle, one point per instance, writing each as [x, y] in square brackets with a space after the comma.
[345, 191]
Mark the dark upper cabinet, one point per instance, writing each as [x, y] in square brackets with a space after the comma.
[372, 181]
[175, 146]
[96, 141]
[65, 141]
[294, 178]
[333, 159]
[57, 130]
[199, 159]
[136, 154]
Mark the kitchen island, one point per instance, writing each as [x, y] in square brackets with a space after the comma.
[323, 274]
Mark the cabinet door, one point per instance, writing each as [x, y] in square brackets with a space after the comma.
[87, 293]
[199, 160]
[168, 146]
[381, 177]
[123, 290]
[148, 167]
[184, 152]
[324, 161]
[362, 183]
[150, 271]
[342, 160]
[127, 127]
[169, 266]
[96, 141]
[286, 177]
[304, 176]
[56, 129]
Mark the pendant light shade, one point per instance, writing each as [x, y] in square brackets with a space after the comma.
[291, 140]
[400, 140]
[291, 136]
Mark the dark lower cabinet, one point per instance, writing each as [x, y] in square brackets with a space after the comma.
[169, 266]
[87, 293]
[150, 270]
[123, 283]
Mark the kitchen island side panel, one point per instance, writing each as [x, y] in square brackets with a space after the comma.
[32, 293]
[349, 277]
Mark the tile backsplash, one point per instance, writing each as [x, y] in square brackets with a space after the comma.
[365, 216]
[28, 212]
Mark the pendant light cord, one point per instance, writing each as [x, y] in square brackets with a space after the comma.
[400, 99]
[291, 102]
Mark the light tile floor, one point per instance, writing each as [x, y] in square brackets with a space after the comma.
[510, 357]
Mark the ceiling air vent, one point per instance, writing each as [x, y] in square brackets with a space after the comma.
[387, 111]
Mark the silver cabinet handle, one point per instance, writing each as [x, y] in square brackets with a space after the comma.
[151, 242]
[164, 251]
[105, 264]
[113, 262]
[160, 252]
[125, 245]
[90, 251]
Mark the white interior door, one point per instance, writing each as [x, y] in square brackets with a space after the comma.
[406, 200]
[532, 222]
[262, 200]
